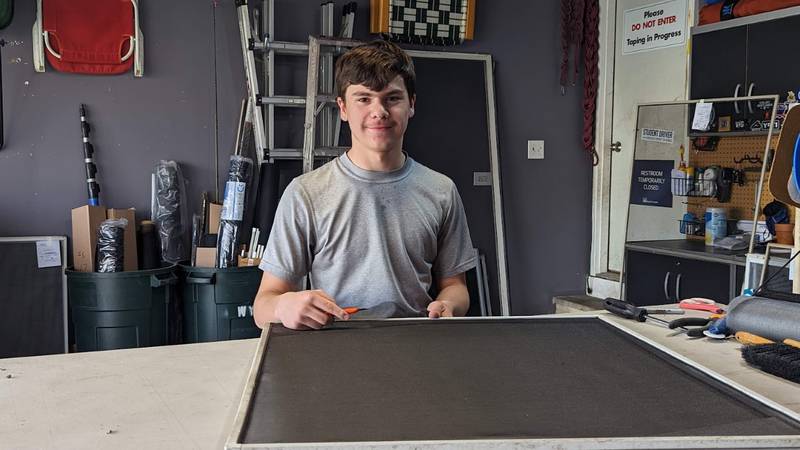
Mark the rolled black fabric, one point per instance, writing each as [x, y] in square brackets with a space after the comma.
[110, 251]
[274, 178]
[149, 252]
[233, 205]
[168, 212]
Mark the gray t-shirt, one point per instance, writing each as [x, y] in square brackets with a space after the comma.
[367, 238]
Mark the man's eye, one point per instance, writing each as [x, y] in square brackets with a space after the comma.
[362, 100]
[395, 99]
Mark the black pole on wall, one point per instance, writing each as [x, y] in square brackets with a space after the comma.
[2, 137]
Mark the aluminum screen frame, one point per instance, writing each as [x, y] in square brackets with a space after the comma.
[234, 440]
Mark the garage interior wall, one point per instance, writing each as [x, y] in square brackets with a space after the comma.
[171, 113]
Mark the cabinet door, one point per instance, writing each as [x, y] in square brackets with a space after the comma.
[719, 63]
[772, 62]
[648, 277]
[702, 279]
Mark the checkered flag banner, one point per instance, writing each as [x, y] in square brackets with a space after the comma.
[431, 22]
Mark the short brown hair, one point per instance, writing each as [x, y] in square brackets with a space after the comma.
[374, 65]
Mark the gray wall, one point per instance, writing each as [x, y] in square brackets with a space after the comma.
[547, 202]
[169, 114]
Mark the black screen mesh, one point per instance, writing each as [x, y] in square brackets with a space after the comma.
[472, 379]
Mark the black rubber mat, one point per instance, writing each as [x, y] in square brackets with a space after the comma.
[473, 379]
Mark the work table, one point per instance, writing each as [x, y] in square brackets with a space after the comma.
[690, 248]
[185, 396]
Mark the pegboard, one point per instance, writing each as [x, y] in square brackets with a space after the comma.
[740, 207]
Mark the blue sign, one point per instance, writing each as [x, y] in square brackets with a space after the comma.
[650, 185]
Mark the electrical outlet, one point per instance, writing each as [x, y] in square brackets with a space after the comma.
[481, 178]
[535, 149]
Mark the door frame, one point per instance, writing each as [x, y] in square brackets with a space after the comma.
[494, 163]
[599, 284]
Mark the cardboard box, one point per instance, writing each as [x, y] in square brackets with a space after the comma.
[214, 213]
[85, 222]
[205, 257]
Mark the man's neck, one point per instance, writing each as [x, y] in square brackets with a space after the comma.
[377, 161]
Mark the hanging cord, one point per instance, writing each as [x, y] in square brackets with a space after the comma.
[591, 45]
[578, 12]
[580, 30]
[566, 19]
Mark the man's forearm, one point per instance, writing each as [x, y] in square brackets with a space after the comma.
[264, 308]
[457, 297]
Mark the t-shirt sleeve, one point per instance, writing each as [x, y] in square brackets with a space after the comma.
[290, 244]
[456, 253]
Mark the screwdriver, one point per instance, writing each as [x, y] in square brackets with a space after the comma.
[629, 311]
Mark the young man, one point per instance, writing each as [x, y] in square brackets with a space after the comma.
[373, 228]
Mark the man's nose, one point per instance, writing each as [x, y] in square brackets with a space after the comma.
[379, 110]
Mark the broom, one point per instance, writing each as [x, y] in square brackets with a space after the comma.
[781, 359]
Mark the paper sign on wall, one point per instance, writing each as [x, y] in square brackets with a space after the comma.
[655, 26]
[702, 116]
[656, 135]
[48, 254]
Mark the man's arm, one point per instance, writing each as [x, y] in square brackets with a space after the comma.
[453, 298]
[302, 310]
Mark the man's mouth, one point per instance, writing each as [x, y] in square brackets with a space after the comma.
[379, 127]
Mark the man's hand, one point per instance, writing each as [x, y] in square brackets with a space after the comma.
[453, 298]
[439, 308]
[307, 310]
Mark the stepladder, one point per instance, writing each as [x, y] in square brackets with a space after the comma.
[257, 33]
[316, 102]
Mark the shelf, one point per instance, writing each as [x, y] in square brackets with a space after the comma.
[694, 187]
[732, 133]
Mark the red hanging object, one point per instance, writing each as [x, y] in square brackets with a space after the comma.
[591, 41]
[566, 40]
[89, 36]
[580, 30]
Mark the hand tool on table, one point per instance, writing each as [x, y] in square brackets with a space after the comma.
[629, 311]
[700, 304]
[702, 326]
[664, 311]
[379, 311]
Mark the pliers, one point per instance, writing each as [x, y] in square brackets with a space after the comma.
[701, 324]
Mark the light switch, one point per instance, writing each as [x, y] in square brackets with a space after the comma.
[535, 149]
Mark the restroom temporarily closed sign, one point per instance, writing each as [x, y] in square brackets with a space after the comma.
[655, 26]
[650, 185]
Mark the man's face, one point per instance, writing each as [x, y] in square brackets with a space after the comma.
[379, 119]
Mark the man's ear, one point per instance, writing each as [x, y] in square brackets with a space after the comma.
[342, 108]
[413, 101]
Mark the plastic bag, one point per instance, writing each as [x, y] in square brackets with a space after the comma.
[110, 252]
[240, 174]
[170, 213]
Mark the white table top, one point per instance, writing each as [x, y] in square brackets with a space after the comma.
[185, 396]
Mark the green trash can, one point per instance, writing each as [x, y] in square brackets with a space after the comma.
[121, 309]
[218, 303]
